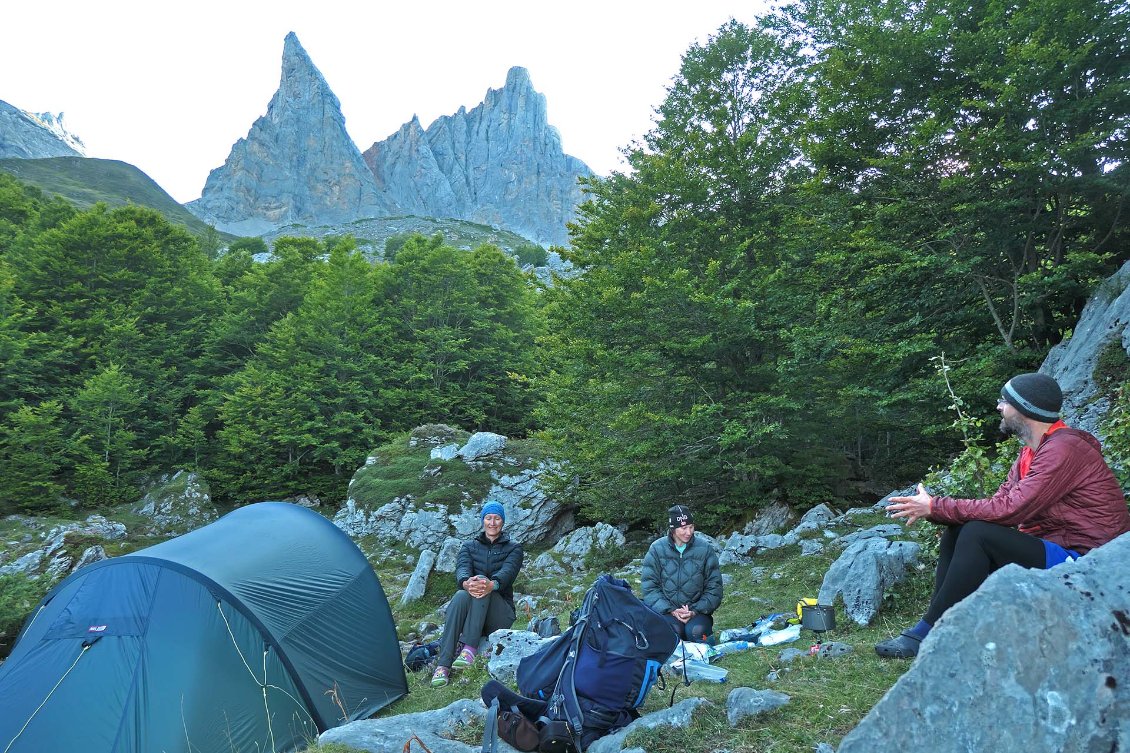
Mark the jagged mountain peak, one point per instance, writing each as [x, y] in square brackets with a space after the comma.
[297, 163]
[518, 78]
[27, 135]
[500, 163]
[301, 79]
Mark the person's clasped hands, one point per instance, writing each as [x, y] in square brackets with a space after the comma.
[683, 613]
[478, 586]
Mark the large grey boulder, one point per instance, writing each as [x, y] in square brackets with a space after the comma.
[576, 548]
[448, 558]
[532, 516]
[297, 164]
[391, 734]
[1072, 363]
[1034, 660]
[499, 164]
[815, 519]
[506, 648]
[770, 519]
[743, 703]
[864, 572]
[177, 504]
[28, 135]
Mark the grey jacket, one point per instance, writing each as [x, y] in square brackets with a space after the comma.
[670, 579]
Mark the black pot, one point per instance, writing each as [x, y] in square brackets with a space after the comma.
[818, 618]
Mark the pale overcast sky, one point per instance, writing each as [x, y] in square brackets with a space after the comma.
[170, 87]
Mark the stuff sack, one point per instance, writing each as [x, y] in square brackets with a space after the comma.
[421, 655]
[515, 728]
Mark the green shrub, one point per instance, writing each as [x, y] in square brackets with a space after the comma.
[531, 253]
[18, 596]
[1116, 435]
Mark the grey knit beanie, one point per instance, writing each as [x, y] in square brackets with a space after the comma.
[1036, 396]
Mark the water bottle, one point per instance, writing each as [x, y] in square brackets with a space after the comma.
[773, 637]
[700, 670]
[730, 647]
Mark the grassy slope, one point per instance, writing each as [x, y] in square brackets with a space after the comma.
[371, 233]
[85, 181]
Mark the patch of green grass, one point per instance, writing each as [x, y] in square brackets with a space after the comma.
[1112, 367]
[401, 471]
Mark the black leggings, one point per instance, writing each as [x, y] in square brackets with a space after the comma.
[971, 552]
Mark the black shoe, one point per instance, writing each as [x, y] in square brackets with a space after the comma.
[905, 646]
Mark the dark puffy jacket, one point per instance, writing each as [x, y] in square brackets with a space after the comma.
[669, 579]
[499, 561]
[1069, 496]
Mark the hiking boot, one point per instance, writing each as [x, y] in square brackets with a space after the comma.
[465, 659]
[439, 678]
[904, 646]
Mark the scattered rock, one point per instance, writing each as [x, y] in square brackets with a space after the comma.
[742, 703]
[679, 715]
[418, 583]
[390, 734]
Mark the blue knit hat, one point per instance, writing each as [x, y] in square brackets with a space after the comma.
[493, 508]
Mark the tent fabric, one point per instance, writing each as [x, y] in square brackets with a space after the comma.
[254, 633]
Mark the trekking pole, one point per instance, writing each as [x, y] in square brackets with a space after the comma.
[408, 745]
[686, 679]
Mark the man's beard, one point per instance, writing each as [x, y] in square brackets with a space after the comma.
[1014, 426]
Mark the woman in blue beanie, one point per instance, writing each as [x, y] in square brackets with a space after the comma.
[485, 573]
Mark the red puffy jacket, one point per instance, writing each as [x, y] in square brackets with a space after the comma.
[1068, 496]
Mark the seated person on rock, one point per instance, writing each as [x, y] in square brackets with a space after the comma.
[1060, 501]
[681, 579]
[484, 572]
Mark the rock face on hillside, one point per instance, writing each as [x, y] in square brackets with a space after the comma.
[458, 472]
[297, 163]
[1104, 324]
[499, 164]
[26, 135]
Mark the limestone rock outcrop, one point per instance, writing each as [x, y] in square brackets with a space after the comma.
[27, 135]
[500, 163]
[297, 164]
[1033, 660]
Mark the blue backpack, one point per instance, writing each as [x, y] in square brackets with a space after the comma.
[595, 676]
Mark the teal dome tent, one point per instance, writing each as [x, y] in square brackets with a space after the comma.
[254, 633]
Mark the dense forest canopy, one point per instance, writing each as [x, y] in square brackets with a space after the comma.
[832, 197]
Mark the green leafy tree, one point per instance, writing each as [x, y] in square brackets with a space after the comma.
[106, 408]
[309, 405]
[32, 452]
[464, 336]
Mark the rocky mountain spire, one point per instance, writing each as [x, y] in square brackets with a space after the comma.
[26, 135]
[499, 164]
[297, 163]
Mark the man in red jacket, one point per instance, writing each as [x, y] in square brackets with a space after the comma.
[1060, 501]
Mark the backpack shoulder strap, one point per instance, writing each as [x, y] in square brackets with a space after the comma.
[490, 734]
